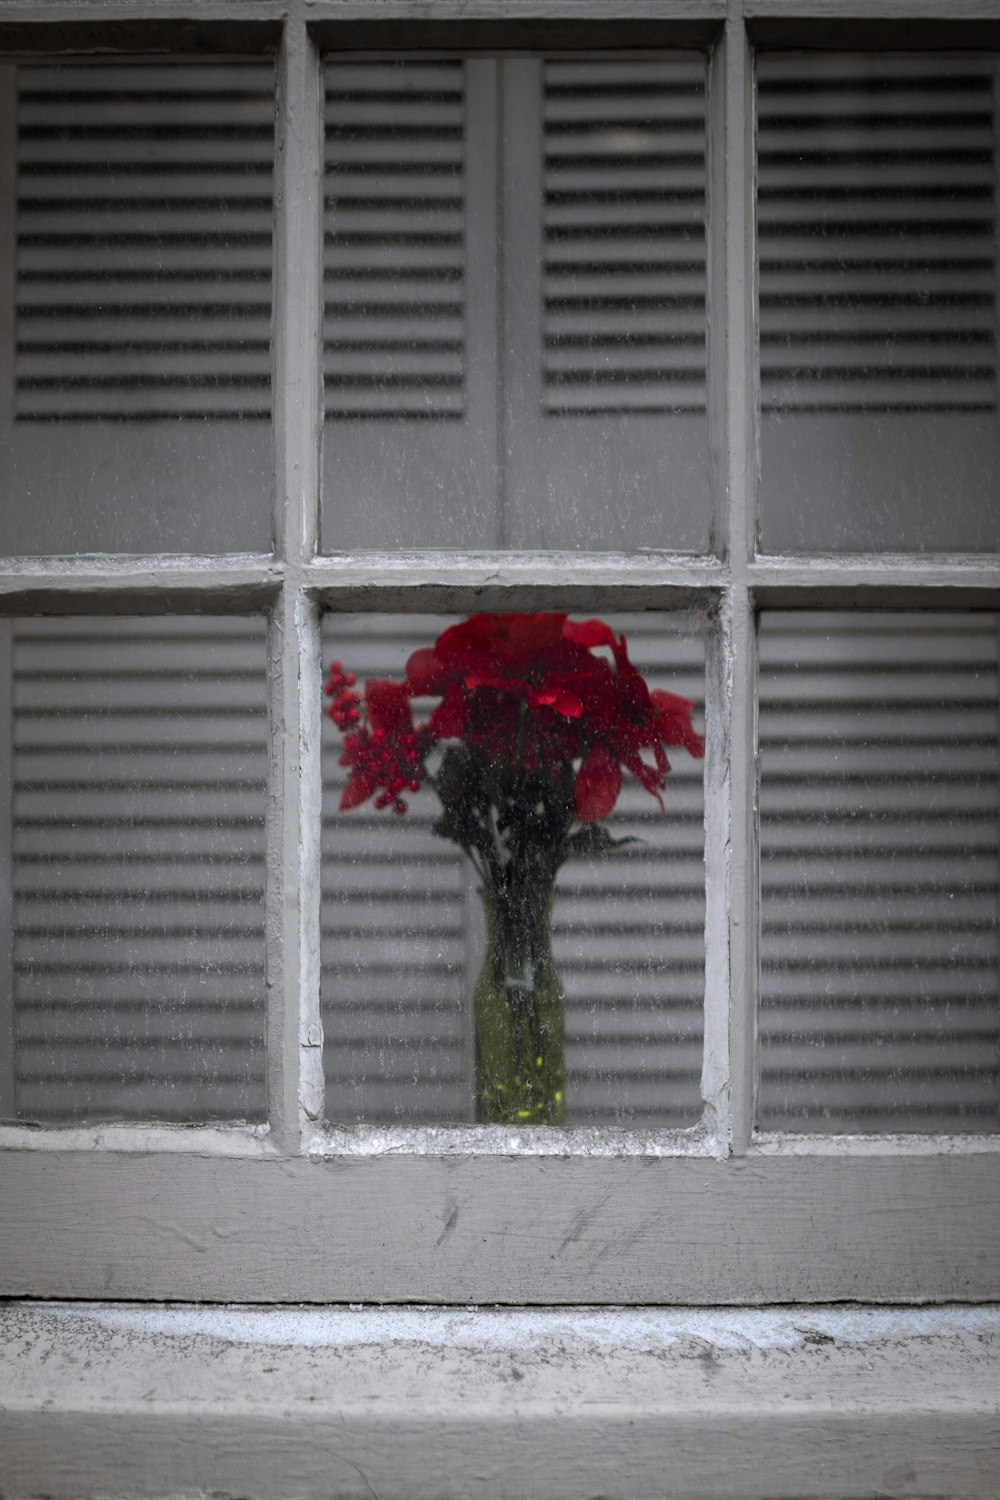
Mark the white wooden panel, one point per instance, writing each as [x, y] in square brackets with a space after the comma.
[185, 1225]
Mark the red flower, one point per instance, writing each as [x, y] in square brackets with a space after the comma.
[524, 688]
[623, 719]
[530, 656]
[387, 753]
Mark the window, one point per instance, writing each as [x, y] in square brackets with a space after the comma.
[452, 361]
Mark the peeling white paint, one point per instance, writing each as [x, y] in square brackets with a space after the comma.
[499, 1140]
[496, 1330]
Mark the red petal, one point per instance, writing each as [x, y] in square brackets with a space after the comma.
[425, 673]
[598, 782]
[588, 633]
[449, 719]
[357, 790]
[560, 700]
[650, 778]
[388, 705]
[672, 716]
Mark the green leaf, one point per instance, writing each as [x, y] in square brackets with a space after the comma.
[594, 838]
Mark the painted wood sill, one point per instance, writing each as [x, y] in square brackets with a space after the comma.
[117, 1399]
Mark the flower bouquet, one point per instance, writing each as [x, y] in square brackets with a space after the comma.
[536, 718]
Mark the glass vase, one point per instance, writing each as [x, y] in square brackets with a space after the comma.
[519, 1014]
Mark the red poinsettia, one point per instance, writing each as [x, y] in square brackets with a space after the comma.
[528, 692]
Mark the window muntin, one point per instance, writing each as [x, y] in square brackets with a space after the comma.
[515, 292]
[138, 254]
[877, 226]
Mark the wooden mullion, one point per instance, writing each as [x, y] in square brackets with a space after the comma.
[736, 882]
[294, 1040]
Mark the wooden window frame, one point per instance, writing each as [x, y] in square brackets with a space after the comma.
[296, 1212]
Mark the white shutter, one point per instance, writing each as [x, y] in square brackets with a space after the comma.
[410, 319]
[876, 222]
[623, 209]
[402, 924]
[139, 762]
[880, 872]
[876, 213]
[515, 303]
[394, 331]
[135, 273]
[143, 243]
[606, 440]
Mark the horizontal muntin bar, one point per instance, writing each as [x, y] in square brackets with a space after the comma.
[434, 580]
[891, 581]
[126, 585]
[218, 1139]
[502, 580]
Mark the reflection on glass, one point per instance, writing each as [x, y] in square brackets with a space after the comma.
[140, 234]
[880, 872]
[876, 210]
[515, 304]
[512, 928]
[137, 960]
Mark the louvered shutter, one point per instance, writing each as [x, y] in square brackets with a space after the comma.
[143, 243]
[515, 304]
[142, 252]
[623, 212]
[402, 932]
[604, 177]
[410, 303]
[139, 763]
[880, 872]
[876, 212]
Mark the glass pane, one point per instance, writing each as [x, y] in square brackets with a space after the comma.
[137, 253]
[136, 968]
[515, 304]
[409, 971]
[880, 872]
[878, 287]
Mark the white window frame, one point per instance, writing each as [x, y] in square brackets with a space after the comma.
[293, 1212]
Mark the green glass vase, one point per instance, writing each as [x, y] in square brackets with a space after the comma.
[519, 1014]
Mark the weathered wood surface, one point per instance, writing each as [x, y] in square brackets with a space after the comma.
[408, 1403]
[507, 1230]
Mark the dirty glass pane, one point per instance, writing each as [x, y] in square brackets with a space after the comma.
[880, 843]
[135, 968]
[404, 941]
[514, 334]
[135, 261]
[876, 214]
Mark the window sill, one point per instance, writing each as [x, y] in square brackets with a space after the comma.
[113, 1399]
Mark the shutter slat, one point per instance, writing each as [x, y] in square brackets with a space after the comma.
[144, 221]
